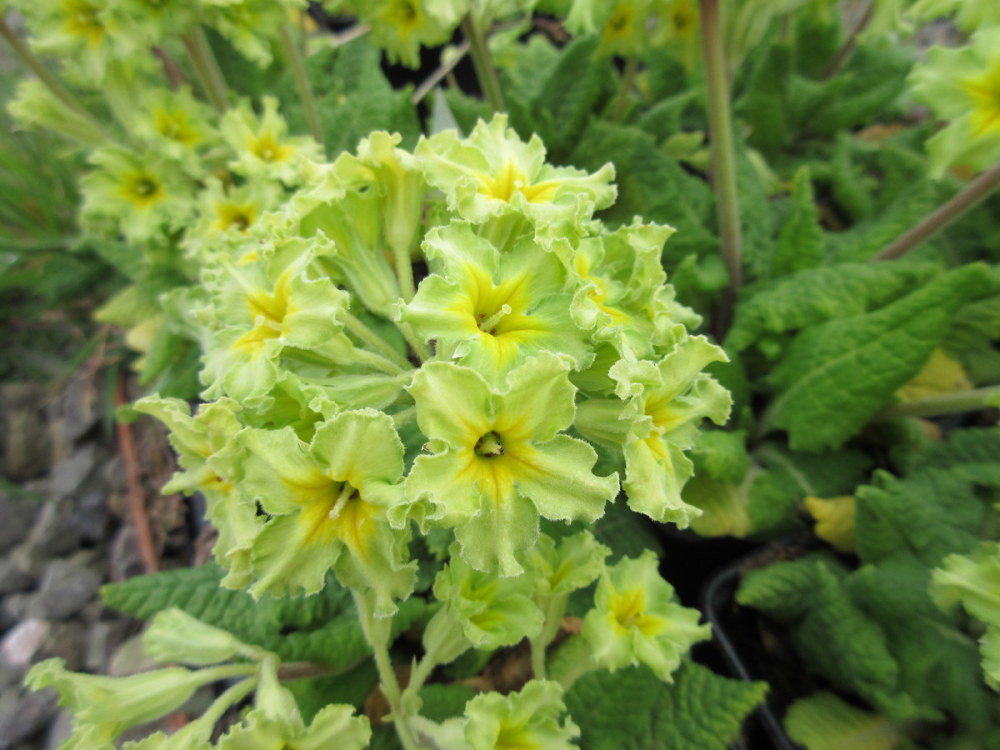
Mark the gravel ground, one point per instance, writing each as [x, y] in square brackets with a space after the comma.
[64, 532]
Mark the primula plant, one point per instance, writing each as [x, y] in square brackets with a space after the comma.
[458, 377]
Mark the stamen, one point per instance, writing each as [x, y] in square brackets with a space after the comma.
[489, 324]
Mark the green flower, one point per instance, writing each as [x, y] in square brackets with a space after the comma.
[492, 612]
[328, 500]
[251, 26]
[226, 214]
[636, 619]
[35, 106]
[622, 25]
[335, 726]
[175, 636]
[499, 460]
[141, 196]
[262, 146]
[493, 176]
[174, 124]
[969, 14]
[488, 310]
[529, 718]
[963, 85]
[209, 459]
[402, 27]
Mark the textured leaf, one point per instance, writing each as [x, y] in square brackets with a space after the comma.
[815, 295]
[836, 375]
[823, 721]
[285, 626]
[631, 709]
[800, 243]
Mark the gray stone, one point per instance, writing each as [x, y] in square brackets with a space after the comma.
[22, 643]
[66, 641]
[90, 516]
[24, 714]
[14, 576]
[18, 518]
[69, 474]
[53, 534]
[60, 728]
[14, 608]
[102, 640]
[25, 440]
[67, 586]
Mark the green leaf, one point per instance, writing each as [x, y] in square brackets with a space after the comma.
[349, 687]
[800, 244]
[764, 105]
[836, 375]
[723, 455]
[812, 296]
[832, 634]
[440, 702]
[823, 721]
[970, 340]
[287, 627]
[630, 709]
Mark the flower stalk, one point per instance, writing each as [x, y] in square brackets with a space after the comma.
[23, 53]
[628, 81]
[206, 68]
[482, 60]
[297, 65]
[965, 200]
[722, 148]
[937, 406]
[367, 336]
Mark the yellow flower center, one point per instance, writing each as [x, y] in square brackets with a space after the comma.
[489, 445]
[985, 92]
[510, 180]
[516, 737]
[175, 126]
[266, 148]
[404, 15]
[336, 511]
[238, 216]
[141, 189]
[629, 611]
[268, 313]
[82, 19]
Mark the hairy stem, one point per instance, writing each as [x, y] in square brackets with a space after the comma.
[936, 406]
[628, 81]
[377, 632]
[844, 53]
[367, 336]
[482, 60]
[722, 150]
[298, 68]
[966, 199]
[206, 67]
[23, 53]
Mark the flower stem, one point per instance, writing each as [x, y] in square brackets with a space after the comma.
[936, 406]
[482, 60]
[298, 68]
[377, 633]
[206, 67]
[357, 327]
[628, 80]
[722, 150]
[844, 53]
[963, 201]
[53, 84]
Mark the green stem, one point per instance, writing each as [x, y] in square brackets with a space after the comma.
[482, 60]
[418, 345]
[404, 271]
[377, 632]
[298, 68]
[628, 81]
[554, 609]
[404, 416]
[53, 84]
[367, 336]
[722, 151]
[206, 67]
[937, 406]
[844, 53]
[967, 198]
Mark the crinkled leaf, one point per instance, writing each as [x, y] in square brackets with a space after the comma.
[836, 375]
[822, 721]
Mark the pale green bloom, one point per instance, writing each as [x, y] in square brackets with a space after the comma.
[402, 27]
[636, 619]
[209, 459]
[251, 26]
[573, 563]
[175, 636]
[493, 176]
[35, 106]
[499, 460]
[328, 500]
[226, 214]
[664, 402]
[140, 195]
[335, 726]
[493, 612]
[963, 86]
[622, 25]
[175, 125]
[529, 718]
[490, 311]
[262, 146]
[974, 582]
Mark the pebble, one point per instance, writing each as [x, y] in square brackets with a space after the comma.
[59, 731]
[18, 517]
[53, 534]
[67, 586]
[23, 714]
[13, 609]
[14, 576]
[69, 474]
[23, 642]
